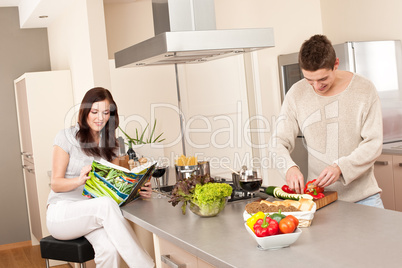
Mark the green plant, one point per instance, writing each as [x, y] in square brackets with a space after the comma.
[142, 139]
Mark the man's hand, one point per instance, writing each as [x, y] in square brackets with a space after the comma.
[328, 176]
[295, 179]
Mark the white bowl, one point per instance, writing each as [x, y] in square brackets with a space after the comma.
[275, 241]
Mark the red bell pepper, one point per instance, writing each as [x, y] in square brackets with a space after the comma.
[312, 189]
[286, 189]
[317, 196]
[266, 227]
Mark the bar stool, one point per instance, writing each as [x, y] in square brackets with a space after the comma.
[78, 250]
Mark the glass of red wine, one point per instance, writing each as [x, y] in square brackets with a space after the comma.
[158, 178]
[250, 184]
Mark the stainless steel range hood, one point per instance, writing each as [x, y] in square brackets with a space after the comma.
[185, 32]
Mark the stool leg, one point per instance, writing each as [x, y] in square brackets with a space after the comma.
[47, 263]
[83, 265]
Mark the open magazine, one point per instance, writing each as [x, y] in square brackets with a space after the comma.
[121, 184]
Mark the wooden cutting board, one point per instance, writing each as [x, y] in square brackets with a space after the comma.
[330, 196]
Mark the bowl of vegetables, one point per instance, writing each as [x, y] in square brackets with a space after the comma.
[273, 231]
[204, 196]
[208, 209]
[275, 241]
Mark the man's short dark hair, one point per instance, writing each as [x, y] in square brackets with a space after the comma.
[317, 53]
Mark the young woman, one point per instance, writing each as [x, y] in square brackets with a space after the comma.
[70, 214]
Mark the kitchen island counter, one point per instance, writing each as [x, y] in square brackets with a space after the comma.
[342, 234]
[392, 148]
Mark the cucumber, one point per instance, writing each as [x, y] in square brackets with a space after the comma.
[270, 190]
[279, 193]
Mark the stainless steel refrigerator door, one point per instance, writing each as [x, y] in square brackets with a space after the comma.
[380, 61]
[345, 54]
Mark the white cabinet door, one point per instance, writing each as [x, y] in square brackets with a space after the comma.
[44, 100]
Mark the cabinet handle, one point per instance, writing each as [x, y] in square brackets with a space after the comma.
[27, 168]
[382, 163]
[27, 155]
[166, 259]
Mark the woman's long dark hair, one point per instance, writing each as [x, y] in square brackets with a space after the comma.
[108, 144]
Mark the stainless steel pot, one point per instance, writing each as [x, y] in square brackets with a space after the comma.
[184, 172]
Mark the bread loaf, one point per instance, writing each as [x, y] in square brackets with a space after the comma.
[285, 206]
[306, 204]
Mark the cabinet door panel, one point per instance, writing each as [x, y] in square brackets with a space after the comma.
[176, 255]
[397, 164]
[385, 178]
[33, 204]
[204, 264]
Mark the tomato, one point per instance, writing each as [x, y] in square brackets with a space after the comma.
[287, 225]
[294, 219]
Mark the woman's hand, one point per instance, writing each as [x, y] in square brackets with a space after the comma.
[146, 190]
[84, 175]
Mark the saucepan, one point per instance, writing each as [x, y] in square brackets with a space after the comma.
[184, 172]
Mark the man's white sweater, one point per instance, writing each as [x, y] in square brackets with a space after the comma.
[345, 129]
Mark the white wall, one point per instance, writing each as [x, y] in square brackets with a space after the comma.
[77, 42]
[128, 24]
[361, 20]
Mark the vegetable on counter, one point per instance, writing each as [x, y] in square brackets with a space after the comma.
[287, 225]
[277, 216]
[279, 193]
[287, 189]
[266, 227]
[202, 191]
[313, 190]
[253, 219]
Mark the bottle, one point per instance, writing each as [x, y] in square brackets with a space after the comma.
[131, 153]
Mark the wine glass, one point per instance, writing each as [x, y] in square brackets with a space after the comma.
[250, 184]
[158, 176]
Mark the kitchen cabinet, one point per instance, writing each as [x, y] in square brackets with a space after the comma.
[388, 172]
[43, 101]
[397, 169]
[170, 255]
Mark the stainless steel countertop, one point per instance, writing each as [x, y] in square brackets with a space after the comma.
[392, 148]
[342, 234]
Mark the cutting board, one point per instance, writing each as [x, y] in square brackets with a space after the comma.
[330, 196]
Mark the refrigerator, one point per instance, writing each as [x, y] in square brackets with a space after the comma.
[379, 61]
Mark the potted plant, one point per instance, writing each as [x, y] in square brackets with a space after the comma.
[144, 145]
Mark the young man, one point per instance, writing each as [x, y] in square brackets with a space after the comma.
[339, 114]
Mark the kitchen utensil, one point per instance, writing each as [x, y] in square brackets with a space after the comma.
[330, 196]
[184, 172]
[204, 168]
[234, 171]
